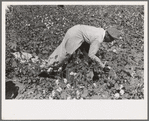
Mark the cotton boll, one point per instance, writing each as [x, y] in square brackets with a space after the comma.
[121, 86]
[57, 81]
[50, 69]
[71, 73]
[50, 98]
[53, 93]
[112, 43]
[94, 84]
[44, 92]
[23, 61]
[69, 98]
[65, 80]
[68, 86]
[122, 92]
[59, 89]
[78, 92]
[120, 38]
[42, 66]
[81, 87]
[114, 50]
[74, 74]
[59, 69]
[117, 95]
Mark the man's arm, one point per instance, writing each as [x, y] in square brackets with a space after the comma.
[92, 52]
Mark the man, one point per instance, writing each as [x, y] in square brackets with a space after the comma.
[76, 36]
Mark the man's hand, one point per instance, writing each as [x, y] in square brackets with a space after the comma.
[103, 65]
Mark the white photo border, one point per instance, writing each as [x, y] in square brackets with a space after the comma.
[75, 109]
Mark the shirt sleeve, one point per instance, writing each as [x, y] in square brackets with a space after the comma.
[94, 47]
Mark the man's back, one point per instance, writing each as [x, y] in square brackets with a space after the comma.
[91, 33]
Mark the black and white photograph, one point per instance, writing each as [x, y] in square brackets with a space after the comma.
[63, 51]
